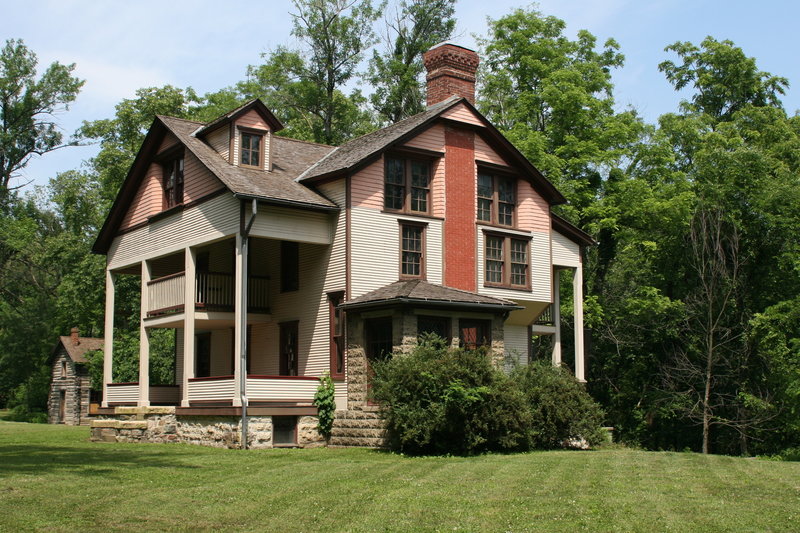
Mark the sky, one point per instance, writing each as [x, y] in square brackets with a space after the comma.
[121, 46]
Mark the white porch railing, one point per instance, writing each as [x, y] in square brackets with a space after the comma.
[166, 294]
[281, 388]
[122, 393]
[213, 292]
[214, 388]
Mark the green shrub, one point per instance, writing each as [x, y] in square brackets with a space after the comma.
[561, 409]
[440, 401]
[325, 402]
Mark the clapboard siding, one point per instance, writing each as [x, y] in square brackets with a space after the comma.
[292, 224]
[198, 180]
[252, 119]
[221, 352]
[533, 211]
[335, 276]
[169, 141]
[485, 153]
[220, 140]
[433, 139]
[565, 252]
[462, 114]
[430, 139]
[123, 393]
[149, 199]
[215, 389]
[516, 341]
[539, 264]
[366, 186]
[276, 389]
[375, 250]
[207, 221]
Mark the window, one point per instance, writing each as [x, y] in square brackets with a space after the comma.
[407, 185]
[496, 199]
[506, 261]
[288, 348]
[472, 334]
[251, 149]
[284, 430]
[173, 182]
[412, 250]
[438, 325]
[63, 369]
[378, 341]
[290, 266]
[336, 317]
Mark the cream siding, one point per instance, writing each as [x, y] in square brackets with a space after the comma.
[565, 252]
[282, 389]
[263, 355]
[220, 140]
[516, 341]
[462, 114]
[215, 389]
[123, 393]
[292, 224]
[335, 275]
[375, 249]
[538, 263]
[221, 352]
[210, 220]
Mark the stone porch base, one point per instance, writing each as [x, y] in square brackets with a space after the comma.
[162, 425]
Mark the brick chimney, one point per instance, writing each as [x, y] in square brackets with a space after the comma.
[451, 71]
[73, 334]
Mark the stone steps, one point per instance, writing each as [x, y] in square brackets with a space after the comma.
[358, 429]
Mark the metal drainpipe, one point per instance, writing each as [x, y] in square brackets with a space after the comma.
[243, 323]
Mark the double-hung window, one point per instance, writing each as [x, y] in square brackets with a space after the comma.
[407, 185]
[173, 181]
[496, 199]
[251, 149]
[412, 250]
[506, 261]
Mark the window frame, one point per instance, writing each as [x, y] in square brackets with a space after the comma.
[494, 207]
[422, 226]
[443, 320]
[173, 193]
[261, 135]
[478, 323]
[337, 352]
[507, 263]
[408, 162]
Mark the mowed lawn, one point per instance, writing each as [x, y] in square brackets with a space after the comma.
[52, 478]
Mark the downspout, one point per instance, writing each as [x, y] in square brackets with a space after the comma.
[245, 231]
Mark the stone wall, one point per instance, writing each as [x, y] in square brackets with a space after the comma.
[163, 425]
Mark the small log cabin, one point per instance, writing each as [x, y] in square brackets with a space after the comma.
[70, 387]
[276, 260]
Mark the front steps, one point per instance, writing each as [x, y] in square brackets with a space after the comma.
[358, 429]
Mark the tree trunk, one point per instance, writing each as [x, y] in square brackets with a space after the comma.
[707, 392]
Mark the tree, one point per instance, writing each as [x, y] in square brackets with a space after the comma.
[28, 107]
[396, 74]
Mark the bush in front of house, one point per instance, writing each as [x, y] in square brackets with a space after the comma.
[440, 401]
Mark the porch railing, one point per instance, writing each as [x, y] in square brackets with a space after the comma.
[259, 388]
[213, 292]
[123, 393]
[546, 318]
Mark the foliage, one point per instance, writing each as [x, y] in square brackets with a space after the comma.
[28, 106]
[397, 73]
[561, 409]
[325, 402]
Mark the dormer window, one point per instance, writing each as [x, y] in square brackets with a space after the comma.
[173, 181]
[252, 148]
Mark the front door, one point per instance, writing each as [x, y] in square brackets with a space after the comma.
[62, 406]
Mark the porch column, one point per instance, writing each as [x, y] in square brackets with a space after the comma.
[144, 340]
[108, 336]
[577, 295]
[238, 334]
[190, 262]
[557, 317]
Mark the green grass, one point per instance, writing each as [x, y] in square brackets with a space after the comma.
[52, 478]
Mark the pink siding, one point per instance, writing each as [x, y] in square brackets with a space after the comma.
[462, 114]
[430, 139]
[366, 186]
[252, 119]
[433, 139]
[198, 180]
[149, 198]
[438, 188]
[533, 210]
[483, 152]
[169, 140]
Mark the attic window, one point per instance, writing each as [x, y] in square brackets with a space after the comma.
[173, 181]
[252, 148]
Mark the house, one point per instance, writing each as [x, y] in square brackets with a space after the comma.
[276, 260]
[71, 386]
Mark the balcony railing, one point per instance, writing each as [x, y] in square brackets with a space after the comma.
[213, 292]
[546, 318]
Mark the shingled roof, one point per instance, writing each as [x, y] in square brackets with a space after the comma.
[290, 159]
[422, 293]
[77, 352]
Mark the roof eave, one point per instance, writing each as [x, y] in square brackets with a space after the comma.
[423, 302]
[571, 231]
[286, 203]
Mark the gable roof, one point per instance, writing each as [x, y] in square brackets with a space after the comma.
[77, 352]
[423, 294]
[232, 115]
[357, 153]
[290, 159]
[571, 231]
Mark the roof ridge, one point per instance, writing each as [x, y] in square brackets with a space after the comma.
[313, 143]
[182, 119]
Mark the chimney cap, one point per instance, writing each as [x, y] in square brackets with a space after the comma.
[74, 334]
[451, 72]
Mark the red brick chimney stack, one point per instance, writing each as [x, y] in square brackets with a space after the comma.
[451, 71]
[74, 336]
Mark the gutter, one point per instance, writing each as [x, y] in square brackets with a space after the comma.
[448, 304]
[288, 203]
[245, 232]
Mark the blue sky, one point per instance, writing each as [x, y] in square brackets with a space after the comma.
[119, 47]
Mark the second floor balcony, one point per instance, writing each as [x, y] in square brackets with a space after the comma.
[213, 291]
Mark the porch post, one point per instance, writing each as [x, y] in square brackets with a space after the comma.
[144, 340]
[577, 295]
[108, 336]
[238, 334]
[557, 317]
[189, 269]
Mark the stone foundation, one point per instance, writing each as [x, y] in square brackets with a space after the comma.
[162, 425]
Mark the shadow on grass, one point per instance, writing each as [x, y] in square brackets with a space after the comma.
[99, 461]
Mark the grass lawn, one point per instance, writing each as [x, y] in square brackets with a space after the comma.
[52, 478]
